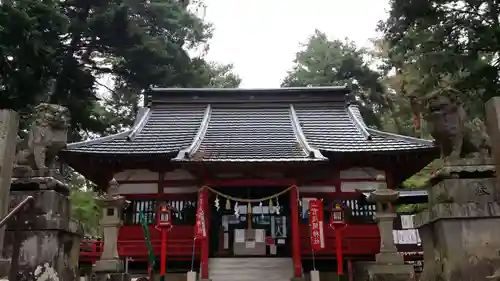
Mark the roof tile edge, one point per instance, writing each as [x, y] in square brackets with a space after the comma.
[300, 136]
[198, 138]
[140, 115]
[140, 125]
[360, 124]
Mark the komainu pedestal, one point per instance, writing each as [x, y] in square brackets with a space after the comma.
[460, 231]
[43, 242]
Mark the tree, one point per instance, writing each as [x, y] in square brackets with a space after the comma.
[215, 75]
[63, 46]
[324, 62]
[84, 207]
[449, 44]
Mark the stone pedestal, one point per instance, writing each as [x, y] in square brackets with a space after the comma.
[119, 277]
[389, 264]
[112, 212]
[43, 241]
[8, 137]
[460, 230]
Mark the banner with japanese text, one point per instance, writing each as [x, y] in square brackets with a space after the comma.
[316, 223]
[200, 227]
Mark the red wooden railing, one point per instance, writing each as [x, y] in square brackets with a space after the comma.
[131, 244]
[361, 239]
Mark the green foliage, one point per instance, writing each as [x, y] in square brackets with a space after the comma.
[56, 50]
[324, 62]
[84, 207]
[446, 44]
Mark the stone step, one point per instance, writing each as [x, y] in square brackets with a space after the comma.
[251, 269]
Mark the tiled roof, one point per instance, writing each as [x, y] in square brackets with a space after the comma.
[235, 133]
[249, 125]
[164, 129]
[335, 127]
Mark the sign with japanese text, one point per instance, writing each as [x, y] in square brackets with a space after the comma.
[316, 224]
[200, 227]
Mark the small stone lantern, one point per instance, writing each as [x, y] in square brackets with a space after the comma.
[389, 264]
[112, 212]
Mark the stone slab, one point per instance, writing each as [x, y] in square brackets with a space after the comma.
[464, 190]
[4, 268]
[119, 277]
[49, 252]
[467, 211]
[108, 266]
[389, 258]
[493, 127]
[460, 249]
[47, 202]
[49, 182]
[391, 272]
[9, 122]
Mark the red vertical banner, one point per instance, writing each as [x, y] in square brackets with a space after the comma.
[316, 224]
[200, 226]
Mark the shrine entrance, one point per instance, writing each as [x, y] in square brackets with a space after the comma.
[259, 229]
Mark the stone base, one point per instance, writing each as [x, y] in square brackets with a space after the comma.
[391, 272]
[24, 179]
[192, 276]
[298, 279]
[203, 279]
[108, 266]
[52, 251]
[475, 259]
[47, 240]
[119, 277]
[314, 275]
[4, 268]
[389, 258]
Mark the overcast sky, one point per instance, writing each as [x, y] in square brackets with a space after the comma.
[261, 37]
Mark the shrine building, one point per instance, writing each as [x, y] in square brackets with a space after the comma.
[257, 156]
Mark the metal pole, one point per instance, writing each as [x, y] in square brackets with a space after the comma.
[192, 254]
[126, 264]
[163, 257]
[15, 210]
[312, 247]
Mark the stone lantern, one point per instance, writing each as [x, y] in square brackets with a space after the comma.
[389, 264]
[112, 212]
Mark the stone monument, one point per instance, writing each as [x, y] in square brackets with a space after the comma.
[46, 244]
[389, 264]
[493, 127]
[460, 228]
[110, 265]
[8, 134]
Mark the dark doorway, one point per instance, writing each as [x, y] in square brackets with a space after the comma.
[268, 219]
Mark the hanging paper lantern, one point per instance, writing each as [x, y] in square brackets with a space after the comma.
[271, 209]
[228, 204]
[277, 208]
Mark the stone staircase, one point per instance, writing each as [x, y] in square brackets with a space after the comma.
[250, 269]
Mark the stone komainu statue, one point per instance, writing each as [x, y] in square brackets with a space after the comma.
[47, 135]
[453, 132]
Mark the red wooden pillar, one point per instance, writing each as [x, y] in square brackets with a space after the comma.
[297, 264]
[205, 242]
